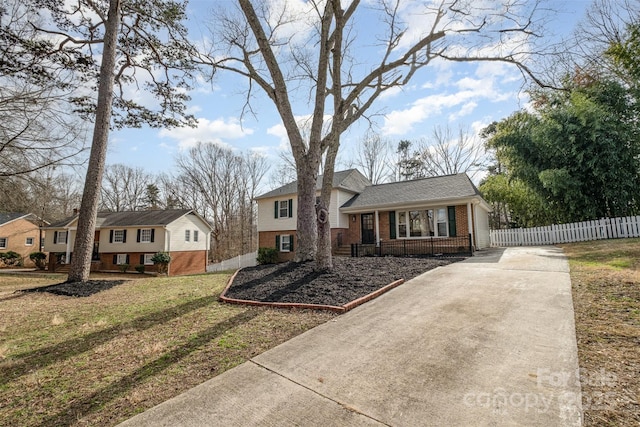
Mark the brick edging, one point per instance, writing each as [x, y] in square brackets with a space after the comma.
[337, 309]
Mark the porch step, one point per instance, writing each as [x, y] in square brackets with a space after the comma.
[344, 251]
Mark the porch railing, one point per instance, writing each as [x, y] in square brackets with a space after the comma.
[435, 246]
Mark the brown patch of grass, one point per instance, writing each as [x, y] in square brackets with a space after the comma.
[122, 351]
[605, 277]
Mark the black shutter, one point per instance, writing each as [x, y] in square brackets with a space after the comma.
[291, 242]
[115, 259]
[290, 208]
[55, 237]
[124, 236]
[138, 238]
[153, 234]
[111, 237]
[275, 209]
[452, 221]
[278, 242]
[141, 259]
[127, 261]
[392, 224]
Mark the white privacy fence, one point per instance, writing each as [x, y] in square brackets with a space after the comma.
[608, 228]
[241, 261]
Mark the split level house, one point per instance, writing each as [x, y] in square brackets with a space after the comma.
[133, 238]
[20, 233]
[444, 214]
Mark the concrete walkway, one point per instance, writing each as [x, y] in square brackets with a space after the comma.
[487, 342]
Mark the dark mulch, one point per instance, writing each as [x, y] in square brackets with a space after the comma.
[77, 289]
[350, 279]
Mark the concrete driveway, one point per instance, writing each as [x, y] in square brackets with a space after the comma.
[486, 342]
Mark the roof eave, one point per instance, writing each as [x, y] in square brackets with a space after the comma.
[416, 204]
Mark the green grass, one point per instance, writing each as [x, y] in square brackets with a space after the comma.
[605, 277]
[102, 359]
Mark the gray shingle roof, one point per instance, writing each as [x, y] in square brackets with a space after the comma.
[349, 180]
[10, 216]
[425, 190]
[132, 219]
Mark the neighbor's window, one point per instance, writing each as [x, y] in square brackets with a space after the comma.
[195, 235]
[187, 235]
[122, 259]
[3, 243]
[28, 241]
[118, 237]
[285, 243]
[147, 259]
[284, 209]
[145, 235]
[61, 238]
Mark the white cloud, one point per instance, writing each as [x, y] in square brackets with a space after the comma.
[214, 131]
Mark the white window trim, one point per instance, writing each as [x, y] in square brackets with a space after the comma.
[142, 236]
[282, 236]
[26, 241]
[195, 235]
[285, 208]
[121, 259]
[115, 236]
[62, 233]
[435, 223]
[147, 259]
[187, 235]
[6, 242]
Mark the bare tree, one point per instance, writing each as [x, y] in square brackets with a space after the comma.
[124, 188]
[374, 157]
[36, 129]
[313, 53]
[221, 185]
[446, 153]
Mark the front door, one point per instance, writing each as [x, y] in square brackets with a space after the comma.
[368, 235]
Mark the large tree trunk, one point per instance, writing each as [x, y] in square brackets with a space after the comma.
[306, 244]
[83, 246]
[324, 258]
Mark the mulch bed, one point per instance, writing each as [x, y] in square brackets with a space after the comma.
[77, 289]
[350, 279]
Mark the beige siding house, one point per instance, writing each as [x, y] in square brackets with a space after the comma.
[444, 213]
[133, 238]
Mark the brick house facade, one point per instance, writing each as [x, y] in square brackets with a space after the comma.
[20, 233]
[132, 238]
[435, 209]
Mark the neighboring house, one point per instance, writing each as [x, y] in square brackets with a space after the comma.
[430, 209]
[20, 233]
[134, 237]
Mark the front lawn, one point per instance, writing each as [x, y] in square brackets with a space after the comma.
[605, 276]
[102, 359]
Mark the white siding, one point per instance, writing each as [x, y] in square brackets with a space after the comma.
[343, 218]
[131, 245]
[482, 228]
[48, 242]
[266, 220]
[177, 233]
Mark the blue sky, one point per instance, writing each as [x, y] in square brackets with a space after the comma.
[445, 94]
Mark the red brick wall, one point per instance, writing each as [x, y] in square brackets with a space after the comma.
[183, 262]
[267, 239]
[462, 222]
[187, 262]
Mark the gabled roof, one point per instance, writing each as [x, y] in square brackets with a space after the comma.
[134, 219]
[419, 191]
[6, 217]
[349, 180]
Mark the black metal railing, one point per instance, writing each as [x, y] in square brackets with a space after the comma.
[437, 246]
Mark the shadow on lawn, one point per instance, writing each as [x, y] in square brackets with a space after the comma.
[39, 358]
[93, 402]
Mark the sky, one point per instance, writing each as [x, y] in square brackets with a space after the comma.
[442, 94]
